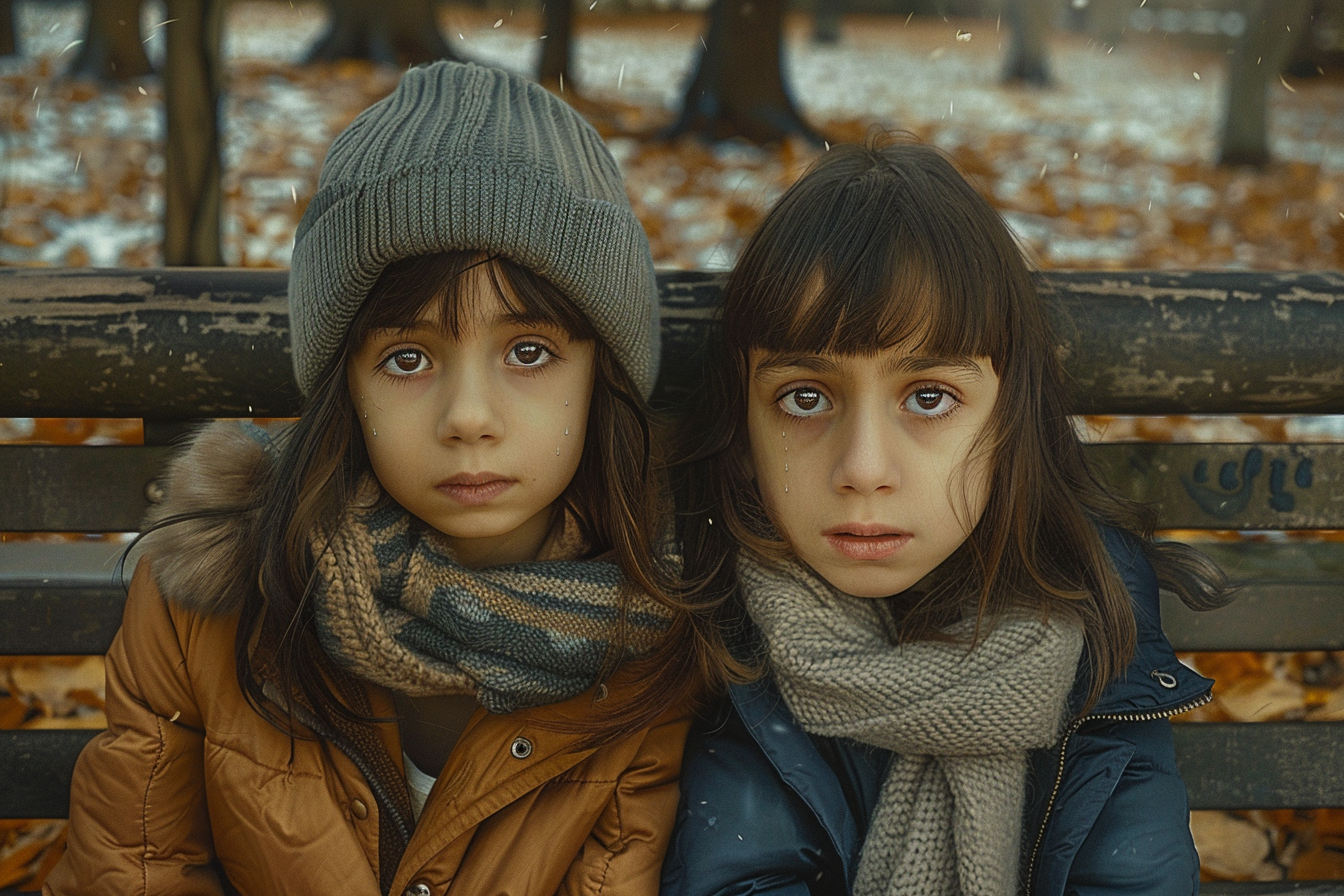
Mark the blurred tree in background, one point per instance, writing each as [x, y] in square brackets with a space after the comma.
[395, 32]
[112, 49]
[739, 88]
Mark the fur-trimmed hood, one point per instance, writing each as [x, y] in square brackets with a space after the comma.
[200, 536]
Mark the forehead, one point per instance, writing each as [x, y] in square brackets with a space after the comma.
[898, 360]
[475, 303]
[455, 305]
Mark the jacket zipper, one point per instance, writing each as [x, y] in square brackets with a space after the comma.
[1199, 701]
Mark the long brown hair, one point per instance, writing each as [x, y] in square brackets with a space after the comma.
[884, 244]
[615, 496]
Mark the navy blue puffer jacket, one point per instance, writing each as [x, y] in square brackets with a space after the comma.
[768, 809]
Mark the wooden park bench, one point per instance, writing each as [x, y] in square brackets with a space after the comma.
[174, 346]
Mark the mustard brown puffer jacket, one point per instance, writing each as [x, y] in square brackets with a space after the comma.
[190, 791]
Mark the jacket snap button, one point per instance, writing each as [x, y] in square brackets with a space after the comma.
[419, 888]
[359, 810]
[1166, 679]
[521, 748]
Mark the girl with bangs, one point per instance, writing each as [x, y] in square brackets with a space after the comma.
[963, 683]
[422, 640]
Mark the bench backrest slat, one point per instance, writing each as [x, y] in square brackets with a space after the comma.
[200, 342]
[1270, 616]
[76, 488]
[82, 488]
[35, 770]
[1268, 765]
[1285, 616]
[59, 621]
[1230, 486]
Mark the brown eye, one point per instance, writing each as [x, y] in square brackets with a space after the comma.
[405, 362]
[928, 399]
[804, 402]
[528, 354]
[931, 402]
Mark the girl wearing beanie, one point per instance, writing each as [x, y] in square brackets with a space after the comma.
[421, 640]
[965, 683]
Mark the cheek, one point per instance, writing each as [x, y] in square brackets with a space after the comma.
[979, 482]
[766, 456]
[574, 434]
[562, 436]
[783, 494]
[387, 469]
[969, 486]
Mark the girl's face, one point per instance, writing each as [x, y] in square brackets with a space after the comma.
[479, 435]
[865, 461]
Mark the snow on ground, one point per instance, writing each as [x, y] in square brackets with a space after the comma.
[1111, 168]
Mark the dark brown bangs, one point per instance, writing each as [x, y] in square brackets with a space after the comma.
[862, 255]
[407, 287]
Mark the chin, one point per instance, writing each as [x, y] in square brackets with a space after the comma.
[866, 585]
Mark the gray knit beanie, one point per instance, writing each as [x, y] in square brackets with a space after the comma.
[462, 156]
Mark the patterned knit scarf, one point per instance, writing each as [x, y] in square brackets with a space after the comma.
[393, 607]
[960, 722]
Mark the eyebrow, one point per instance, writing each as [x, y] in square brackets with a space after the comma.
[526, 319]
[504, 318]
[919, 363]
[814, 363]
[908, 364]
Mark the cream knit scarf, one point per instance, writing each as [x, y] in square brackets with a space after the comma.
[393, 607]
[960, 722]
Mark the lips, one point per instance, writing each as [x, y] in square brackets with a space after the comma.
[473, 489]
[866, 541]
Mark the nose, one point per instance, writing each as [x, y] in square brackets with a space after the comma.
[868, 456]
[468, 411]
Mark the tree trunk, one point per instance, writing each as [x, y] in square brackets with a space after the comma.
[554, 69]
[826, 15]
[1109, 19]
[1259, 55]
[738, 89]
[392, 32]
[192, 167]
[9, 46]
[112, 48]
[1030, 22]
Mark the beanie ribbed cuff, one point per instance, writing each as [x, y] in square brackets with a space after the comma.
[462, 157]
